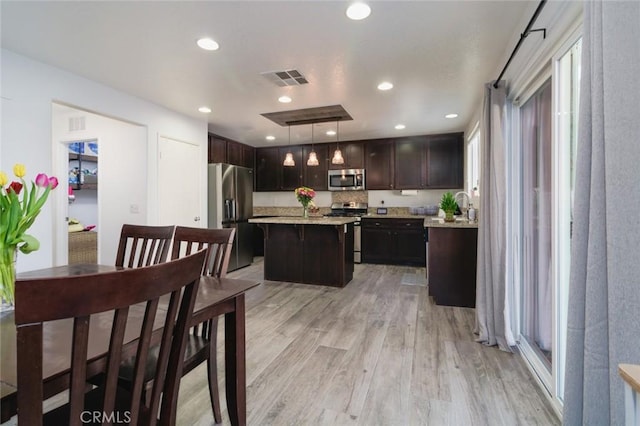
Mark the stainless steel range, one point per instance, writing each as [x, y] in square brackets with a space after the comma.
[352, 209]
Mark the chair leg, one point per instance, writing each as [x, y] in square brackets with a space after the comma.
[212, 366]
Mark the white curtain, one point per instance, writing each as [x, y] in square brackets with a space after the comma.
[492, 319]
[604, 295]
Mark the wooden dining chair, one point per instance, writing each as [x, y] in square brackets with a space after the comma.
[143, 245]
[43, 300]
[202, 340]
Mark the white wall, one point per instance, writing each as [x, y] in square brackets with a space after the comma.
[29, 89]
[122, 177]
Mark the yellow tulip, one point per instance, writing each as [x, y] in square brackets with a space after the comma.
[19, 170]
[3, 178]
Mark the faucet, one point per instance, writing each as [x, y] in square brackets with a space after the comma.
[463, 194]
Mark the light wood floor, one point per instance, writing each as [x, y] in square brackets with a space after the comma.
[377, 352]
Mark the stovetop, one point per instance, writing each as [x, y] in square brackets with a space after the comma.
[349, 209]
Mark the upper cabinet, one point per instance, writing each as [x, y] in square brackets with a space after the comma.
[316, 176]
[429, 162]
[414, 162]
[379, 164]
[352, 152]
[223, 150]
[271, 175]
[445, 161]
[410, 162]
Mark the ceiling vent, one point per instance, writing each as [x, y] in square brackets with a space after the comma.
[285, 78]
[77, 123]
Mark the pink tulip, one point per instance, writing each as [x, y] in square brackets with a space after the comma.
[53, 182]
[42, 180]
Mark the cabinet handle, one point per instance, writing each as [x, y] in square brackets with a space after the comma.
[377, 223]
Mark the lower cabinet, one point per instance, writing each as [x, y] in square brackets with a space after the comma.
[452, 266]
[393, 241]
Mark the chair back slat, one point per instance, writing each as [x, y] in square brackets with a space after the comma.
[41, 300]
[218, 242]
[142, 245]
[80, 341]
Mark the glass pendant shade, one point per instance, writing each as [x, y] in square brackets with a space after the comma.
[313, 159]
[288, 160]
[288, 157]
[337, 157]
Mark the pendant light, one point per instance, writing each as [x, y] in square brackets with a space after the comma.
[313, 158]
[337, 154]
[288, 158]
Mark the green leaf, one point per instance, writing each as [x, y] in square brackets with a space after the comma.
[30, 244]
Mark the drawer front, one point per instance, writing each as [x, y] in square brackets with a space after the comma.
[417, 224]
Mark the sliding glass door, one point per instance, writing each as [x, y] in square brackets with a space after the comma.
[536, 192]
[547, 146]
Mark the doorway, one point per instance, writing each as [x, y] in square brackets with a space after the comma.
[82, 195]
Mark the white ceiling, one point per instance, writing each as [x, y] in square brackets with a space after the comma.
[438, 54]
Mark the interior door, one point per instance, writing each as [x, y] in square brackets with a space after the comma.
[179, 186]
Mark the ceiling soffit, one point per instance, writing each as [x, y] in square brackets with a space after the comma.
[309, 115]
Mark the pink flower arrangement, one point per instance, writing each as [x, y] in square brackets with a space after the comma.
[305, 195]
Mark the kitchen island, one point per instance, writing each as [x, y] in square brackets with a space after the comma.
[316, 250]
[451, 261]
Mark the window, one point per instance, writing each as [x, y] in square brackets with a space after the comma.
[473, 163]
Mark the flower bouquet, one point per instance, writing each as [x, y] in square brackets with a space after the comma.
[305, 196]
[19, 207]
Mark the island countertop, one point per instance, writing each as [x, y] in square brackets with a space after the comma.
[299, 220]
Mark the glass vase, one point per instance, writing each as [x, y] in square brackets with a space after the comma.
[305, 212]
[7, 275]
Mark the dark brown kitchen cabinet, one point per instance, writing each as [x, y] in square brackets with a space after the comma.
[248, 153]
[352, 152]
[393, 241]
[379, 162]
[234, 153]
[291, 177]
[445, 158]
[425, 162]
[222, 150]
[315, 176]
[217, 149]
[268, 169]
[272, 175]
[410, 162]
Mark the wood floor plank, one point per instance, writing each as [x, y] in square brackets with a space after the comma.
[388, 399]
[377, 352]
[301, 395]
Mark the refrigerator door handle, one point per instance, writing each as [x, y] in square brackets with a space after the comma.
[234, 209]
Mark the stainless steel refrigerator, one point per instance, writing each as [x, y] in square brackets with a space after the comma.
[230, 206]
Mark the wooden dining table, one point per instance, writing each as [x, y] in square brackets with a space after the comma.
[216, 296]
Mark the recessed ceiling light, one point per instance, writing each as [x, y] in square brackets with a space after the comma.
[400, 126]
[358, 11]
[284, 99]
[385, 85]
[208, 44]
[451, 116]
[204, 109]
[270, 138]
[331, 132]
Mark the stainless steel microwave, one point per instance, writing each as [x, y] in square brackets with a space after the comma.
[346, 180]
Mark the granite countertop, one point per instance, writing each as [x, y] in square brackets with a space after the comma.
[435, 222]
[396, 216]
[299, 220]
